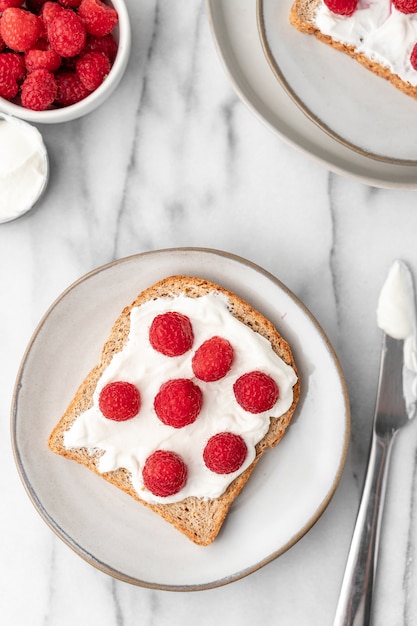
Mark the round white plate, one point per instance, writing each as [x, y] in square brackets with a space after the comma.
[235, 32]
[289, 489]
[346, 100]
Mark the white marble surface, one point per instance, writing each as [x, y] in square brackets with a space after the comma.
[175, 159]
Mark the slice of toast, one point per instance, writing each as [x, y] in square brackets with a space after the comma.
[200, 519]
[302, 17]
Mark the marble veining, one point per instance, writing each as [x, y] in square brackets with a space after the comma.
[172, 159]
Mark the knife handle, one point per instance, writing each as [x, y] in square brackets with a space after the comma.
[355, 601]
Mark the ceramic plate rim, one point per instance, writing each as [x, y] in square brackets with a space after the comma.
[276, 110]
[71, 541]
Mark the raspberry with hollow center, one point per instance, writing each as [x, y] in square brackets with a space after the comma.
[66, 33]
[41, 57]
[342, 7]
[225, 453]
[99, 18]
[20, 29]
[38, 90]
[164, 473]
[171, 334]
[178, 402]
[256, 392]
[405, 6]
[213, 359]
[119, 401]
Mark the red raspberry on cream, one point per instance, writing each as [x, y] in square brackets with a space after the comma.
[213, 359]
[171, 334]
[225, 453]
[119, 401]
[342, 7]
[256, 392]
[405, 6]
[178, 402]
[164, 473]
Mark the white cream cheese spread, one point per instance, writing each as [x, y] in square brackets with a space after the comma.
[23, 167]
[128, 444]
[396, 317]
[378, 30]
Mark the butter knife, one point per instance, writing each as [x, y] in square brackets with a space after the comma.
[391, 414]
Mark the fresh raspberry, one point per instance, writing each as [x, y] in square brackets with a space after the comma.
[405, 6]
[342, 7]
[66, 33]
[12, 72]
[92, 68]
[20, 29]
[225, 453]
[119, 401]
[213, 359]
[178, 402]
[70, 89]
[171, 334]
[42, 57]
[5, 4]
[256, 392]
[99, 18]
[38, 90]
[164, 473]
[2, 44]
[106, 44]
[50, 10]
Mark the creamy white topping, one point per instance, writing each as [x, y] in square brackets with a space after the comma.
[378, 30]
[23, 167]
[128, 444]
[396, 317]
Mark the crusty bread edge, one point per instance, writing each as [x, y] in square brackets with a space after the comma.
[302, 15]
[199, 519]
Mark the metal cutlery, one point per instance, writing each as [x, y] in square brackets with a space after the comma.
[355, 601]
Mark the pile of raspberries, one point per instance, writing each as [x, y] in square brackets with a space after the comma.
[54, 53]
[179, 401]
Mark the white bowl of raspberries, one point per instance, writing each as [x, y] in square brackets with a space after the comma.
[60, 59]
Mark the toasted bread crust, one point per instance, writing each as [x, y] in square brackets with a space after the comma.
[199, 519]
[302, 16]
